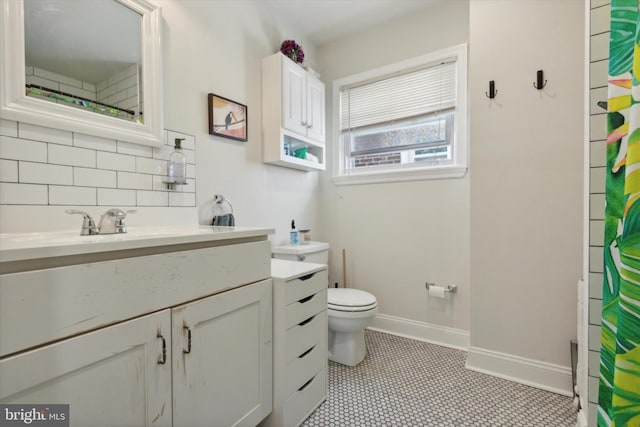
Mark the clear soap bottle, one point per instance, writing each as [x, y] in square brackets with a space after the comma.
[178, 164]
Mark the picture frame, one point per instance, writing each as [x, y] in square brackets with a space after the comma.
[227, 118]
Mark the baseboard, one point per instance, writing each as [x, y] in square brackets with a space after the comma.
[435, 334]
[546, 376]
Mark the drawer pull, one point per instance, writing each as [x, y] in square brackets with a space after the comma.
[188, 350]
[304, 322]
[306, 299]
[306, 384]
[306, 352]
[307, 277]
[163, 357]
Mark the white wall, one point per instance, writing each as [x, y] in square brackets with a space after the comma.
[526, 178]
[398, 236]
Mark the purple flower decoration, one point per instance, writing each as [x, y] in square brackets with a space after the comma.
[292, 50]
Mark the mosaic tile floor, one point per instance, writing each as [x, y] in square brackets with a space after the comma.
[404, 382]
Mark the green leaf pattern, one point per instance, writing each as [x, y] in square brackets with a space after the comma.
[619, 391]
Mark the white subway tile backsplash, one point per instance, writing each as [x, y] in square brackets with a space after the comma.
[596, 233]
[134, 149]
[600, 19]
[56, 77]
[115, 197]
[595, 285]
[72, 156]
[87, 177]
[182, 199]
[22, 149]
[39, 133]
[46, 83]
[598, 127]
[595, 311]
[43, 173]
[188, 143]
[594, 337]
[8, 128]
[594, 364]
[599, 74]
[119, 162]
[94, 142]
[152, 198]
[596, 206]
[191, 171]
[598, 153]
[69, 195]
[596, 261]
[598, 95]
[23, 194]
[78, 91]
[8, 170]
[136, 181]
[42, 166]
[597, 181]
[594, 384]
[151, 166]
[600, 47]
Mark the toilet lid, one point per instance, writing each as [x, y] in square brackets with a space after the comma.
[347, 299]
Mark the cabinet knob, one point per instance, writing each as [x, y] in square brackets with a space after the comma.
[163, 357]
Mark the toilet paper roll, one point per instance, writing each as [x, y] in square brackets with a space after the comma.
[436, 291]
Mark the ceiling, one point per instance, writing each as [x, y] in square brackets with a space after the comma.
[325, 21]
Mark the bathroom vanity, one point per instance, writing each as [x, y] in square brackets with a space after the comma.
[159, 327]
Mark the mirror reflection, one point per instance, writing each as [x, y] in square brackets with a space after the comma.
[85, 54]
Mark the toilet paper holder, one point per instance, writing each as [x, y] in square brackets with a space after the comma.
[450, 288]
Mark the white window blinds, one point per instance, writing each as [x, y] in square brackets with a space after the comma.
[402, 96]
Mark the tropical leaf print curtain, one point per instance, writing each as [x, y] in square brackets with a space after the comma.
[619, 391]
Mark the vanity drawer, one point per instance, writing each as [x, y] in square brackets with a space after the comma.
[301, 337]
[306, 399]
[302, 368]
[301, 310]
[304, 286]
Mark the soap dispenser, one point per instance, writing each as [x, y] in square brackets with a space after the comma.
[294, 237]
[178, 164]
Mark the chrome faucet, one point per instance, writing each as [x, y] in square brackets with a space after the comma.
[88, 224]
[111, 222]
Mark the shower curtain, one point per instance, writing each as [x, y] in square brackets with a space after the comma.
[619, 391]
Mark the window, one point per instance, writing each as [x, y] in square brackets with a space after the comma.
[405, 121]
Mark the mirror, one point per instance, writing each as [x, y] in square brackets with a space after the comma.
[77, 56]
[89, 67]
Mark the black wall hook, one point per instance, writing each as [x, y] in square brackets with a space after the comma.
[492, 90]
[539, 78]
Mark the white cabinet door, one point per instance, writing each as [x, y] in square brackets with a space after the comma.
[294, 97]
[222, 358]
[110, 377]
[315, 109]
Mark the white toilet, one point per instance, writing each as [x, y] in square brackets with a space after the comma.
[349, 310]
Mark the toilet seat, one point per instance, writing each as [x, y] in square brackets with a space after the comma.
[350, 300]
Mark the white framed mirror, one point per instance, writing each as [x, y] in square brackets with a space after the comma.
[70, 88]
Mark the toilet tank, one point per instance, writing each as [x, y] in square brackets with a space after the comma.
[316, 252]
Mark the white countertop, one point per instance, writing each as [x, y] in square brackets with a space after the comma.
[28, 246]
[286, 270]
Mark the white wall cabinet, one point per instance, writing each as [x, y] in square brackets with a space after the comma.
[299, 341]
[293, 115]
[188, 341]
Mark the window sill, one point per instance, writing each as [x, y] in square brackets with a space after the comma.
[399, 175]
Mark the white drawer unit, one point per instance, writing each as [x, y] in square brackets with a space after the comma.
[299, 341]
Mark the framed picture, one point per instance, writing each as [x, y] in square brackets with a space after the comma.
[227, 118]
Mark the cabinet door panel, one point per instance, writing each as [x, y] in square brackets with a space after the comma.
[294, 97]
[109, 377]
[223, 377]
[315, 109]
